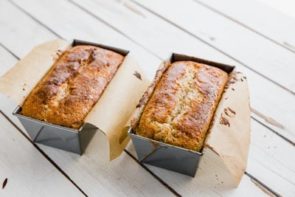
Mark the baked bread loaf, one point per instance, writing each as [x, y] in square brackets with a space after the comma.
[182, 104]
[72, 86]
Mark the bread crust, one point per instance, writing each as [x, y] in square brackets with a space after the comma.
[182, 105]
[73, 85]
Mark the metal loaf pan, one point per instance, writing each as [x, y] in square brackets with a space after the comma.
[167, 156]
[68, 139]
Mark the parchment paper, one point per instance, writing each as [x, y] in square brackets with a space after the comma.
[229, 135]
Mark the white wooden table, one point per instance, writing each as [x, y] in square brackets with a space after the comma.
[259, 40]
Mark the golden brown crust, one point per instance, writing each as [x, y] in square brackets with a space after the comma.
[74, 84]
[182, 105]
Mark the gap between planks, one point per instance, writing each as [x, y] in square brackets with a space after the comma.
[258, 183]
[9, 51]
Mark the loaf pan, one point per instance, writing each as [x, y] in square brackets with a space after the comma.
[68, 139]
[165, 155]
[168, 156]
[73, 140]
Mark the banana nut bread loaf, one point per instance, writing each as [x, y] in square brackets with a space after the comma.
[72, 86]
[182, 104]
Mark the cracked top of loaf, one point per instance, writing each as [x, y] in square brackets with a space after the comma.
[182, 104]
[75, 82]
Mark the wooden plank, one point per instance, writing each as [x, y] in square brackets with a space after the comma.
[125, 19]
[257, 17]
[266, 58]
[6, 60]
[78, 20]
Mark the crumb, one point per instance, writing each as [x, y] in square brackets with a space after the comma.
[232, 111]
[224, 121]
[4, 183]
[229, 112]
[225, 111]
[225, 87]
[59, 52]
[137, 74]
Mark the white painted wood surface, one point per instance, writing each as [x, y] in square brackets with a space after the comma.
[271, 169]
